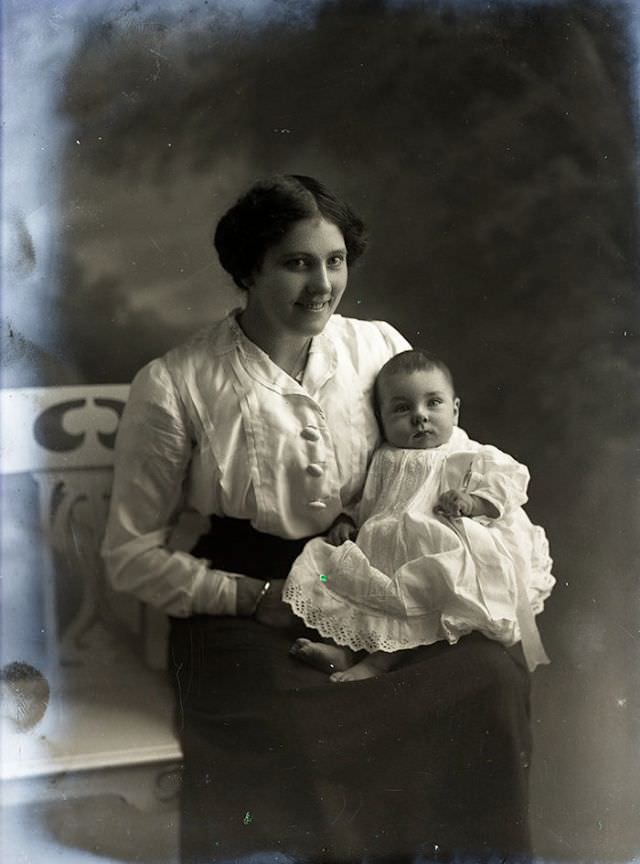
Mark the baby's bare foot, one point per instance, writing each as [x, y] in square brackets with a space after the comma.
[364, 669]
[327, 658]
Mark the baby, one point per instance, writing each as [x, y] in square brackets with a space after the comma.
[440, 545]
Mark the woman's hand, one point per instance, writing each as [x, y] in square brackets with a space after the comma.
[343, 529]
[272, 611]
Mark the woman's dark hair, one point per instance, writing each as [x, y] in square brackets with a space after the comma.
[414, 360]
[262, 217]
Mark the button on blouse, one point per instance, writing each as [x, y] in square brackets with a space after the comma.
[310, 433]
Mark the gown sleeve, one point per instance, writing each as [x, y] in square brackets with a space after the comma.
[499, 479]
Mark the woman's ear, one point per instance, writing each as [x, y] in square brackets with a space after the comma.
[456, 411]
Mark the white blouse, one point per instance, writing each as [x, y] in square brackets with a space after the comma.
[215, 427]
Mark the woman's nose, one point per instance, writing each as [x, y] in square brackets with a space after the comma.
[319, 280]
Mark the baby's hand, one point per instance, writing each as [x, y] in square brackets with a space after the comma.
[455, 503]
[343, 529]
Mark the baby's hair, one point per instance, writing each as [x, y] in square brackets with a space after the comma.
[414, 360]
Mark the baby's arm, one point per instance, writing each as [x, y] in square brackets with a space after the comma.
[493, 485]
[343, 529]
[455, 502]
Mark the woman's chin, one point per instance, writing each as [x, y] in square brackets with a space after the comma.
[312, 322]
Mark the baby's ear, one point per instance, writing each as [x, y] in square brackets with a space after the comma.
[373, 401]
[456, 411]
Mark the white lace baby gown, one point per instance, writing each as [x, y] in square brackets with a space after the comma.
[413, 577]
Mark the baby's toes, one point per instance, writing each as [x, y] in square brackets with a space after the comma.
[300, 646]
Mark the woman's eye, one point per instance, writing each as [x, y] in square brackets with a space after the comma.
[336, 261]
[296, 263]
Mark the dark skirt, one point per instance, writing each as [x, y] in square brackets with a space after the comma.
[430, 759]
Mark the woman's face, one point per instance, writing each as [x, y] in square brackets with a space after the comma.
[301, 280]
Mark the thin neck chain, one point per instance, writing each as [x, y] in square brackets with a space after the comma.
[297, 369]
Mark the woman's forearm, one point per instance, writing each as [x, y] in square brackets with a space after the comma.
[173, 582]
[250, 592]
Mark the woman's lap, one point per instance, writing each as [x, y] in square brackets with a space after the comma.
[427, 759]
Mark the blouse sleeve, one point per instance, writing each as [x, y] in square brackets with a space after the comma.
[499, 479]
[153, 451]
[395, 340]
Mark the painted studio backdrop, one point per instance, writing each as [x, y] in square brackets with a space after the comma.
[491, 147]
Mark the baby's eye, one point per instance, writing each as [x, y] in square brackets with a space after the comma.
[400, 407]
[433, 403]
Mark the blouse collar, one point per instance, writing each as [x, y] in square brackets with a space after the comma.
[321, 361]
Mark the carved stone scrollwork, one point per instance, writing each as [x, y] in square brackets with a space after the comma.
[75, 434]
[49, 431]
[49, 428]
[58, 428]
[74, 507]
[108, 440]
[64, 437]
[106, 709]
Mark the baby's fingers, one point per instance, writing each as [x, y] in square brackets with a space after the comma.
[448, 504]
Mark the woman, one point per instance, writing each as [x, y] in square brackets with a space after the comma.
[263, 422]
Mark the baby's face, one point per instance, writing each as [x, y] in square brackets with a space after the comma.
[418, 410]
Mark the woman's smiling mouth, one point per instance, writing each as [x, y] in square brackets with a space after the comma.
[311, 306]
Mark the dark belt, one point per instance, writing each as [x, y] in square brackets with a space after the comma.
[236, 546]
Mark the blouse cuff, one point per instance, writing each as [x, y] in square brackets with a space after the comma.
[215, 593]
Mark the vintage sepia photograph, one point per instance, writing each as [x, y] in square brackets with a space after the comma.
[319, 432]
